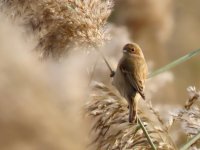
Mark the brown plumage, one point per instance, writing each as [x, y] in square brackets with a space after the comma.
[130, 76]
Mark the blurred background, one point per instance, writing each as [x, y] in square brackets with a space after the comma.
[165, 30]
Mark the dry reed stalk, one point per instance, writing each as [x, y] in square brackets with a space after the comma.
[111, 129]
[62, 24]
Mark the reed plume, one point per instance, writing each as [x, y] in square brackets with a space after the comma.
[61, 25]
[111, 129]
[189, 116]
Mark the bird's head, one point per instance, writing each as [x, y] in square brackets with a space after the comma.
[132, 49]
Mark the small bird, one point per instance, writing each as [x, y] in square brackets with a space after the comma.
[129, 78]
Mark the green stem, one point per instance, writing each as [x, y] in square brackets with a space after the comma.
[174, 63]
[146, 134]
[190, 142]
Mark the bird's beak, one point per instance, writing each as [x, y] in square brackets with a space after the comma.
[125, 51]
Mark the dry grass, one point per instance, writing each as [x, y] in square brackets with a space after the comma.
[62, 24]
[111, 129]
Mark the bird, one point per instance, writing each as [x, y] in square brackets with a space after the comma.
[129, 77]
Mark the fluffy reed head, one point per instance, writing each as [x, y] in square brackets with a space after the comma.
[111, 129]
[189, 116]
[62, 24]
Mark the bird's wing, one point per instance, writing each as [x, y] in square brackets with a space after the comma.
[134, 77]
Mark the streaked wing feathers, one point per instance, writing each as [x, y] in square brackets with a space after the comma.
[134, 80]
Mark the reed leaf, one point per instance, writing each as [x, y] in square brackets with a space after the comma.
[175, 63]
[190, 142]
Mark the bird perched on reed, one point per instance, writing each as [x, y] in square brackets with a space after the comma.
[129, 78]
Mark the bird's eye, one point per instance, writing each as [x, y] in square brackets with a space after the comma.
[132, 49]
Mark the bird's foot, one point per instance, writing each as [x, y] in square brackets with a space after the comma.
[133, 120]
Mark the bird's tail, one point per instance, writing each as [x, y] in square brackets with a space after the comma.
[132, 114]
[133, 109]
